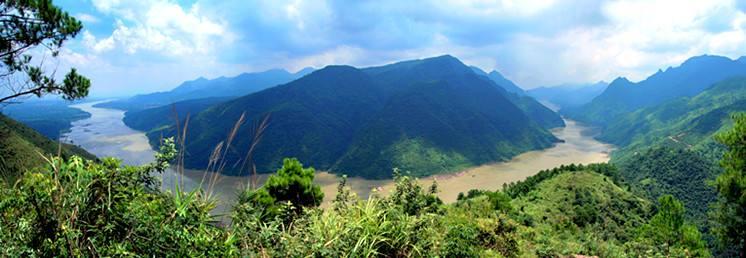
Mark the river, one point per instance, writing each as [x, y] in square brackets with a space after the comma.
[104, 134]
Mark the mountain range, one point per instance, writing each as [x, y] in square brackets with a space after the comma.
[423, 116]
[500, 80]
[567, 95]
[203, 88]
[686, 80]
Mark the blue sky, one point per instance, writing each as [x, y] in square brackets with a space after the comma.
[134, 46]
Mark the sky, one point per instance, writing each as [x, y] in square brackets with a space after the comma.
[139, 46]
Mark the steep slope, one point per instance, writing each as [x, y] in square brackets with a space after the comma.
[685, 122]
[387, 116]
[21, 148]
[680, 172]
[578, 212]
[56, 119]
[568, 95]
[203, 88]
[154, 118]
[537, 111]
[669, 148]
[689, 79]
[499, 79]
[441, 126]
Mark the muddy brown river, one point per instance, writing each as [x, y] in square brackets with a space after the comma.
[104, 134]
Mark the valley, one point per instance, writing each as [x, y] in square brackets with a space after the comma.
[105, 135]
[372, 129]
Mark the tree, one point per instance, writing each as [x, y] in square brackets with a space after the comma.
[24, 25]
[291, 185]
[670, 230]
[730, 213]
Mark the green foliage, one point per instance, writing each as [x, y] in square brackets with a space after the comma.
[409, 196]
[730, 213]
[623, 97]
[292, 185]
[679, 172]
[22, 149]
[578, 212]
[498, 200]
[85, 208]
[404, 224]
[685, 123]
[424, 116]
[26, 24]
[668, 234]
[516, 189]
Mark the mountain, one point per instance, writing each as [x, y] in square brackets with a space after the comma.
[424, 116]
[56, 119]
[203, 88]
[568, 95]
[591, 207]
[537, 111]
[499, 79]
[689, 79]
[669, 148]
[687, 122]
[163, 116]
[21, 148]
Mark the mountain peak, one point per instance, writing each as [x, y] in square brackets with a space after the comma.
[620, 81]
[705, 60]
[444, 60]
[305, 71]
[496, 74]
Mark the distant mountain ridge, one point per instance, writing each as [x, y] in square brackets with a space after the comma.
[688, 79]
[499, 79]
[22, 147]
[424, 116]
[203, 88]
[568, 95]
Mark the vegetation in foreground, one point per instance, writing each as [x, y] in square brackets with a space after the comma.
[77, 207]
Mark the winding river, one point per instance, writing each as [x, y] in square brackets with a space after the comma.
[104, 134]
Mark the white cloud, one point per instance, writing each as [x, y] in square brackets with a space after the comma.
[533, 42]
[160, 27]
[86, 18]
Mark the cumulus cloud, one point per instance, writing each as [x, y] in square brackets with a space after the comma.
[533, 42]
[86, 18]
[158, 26]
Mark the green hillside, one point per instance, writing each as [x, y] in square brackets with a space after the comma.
[689, 79]
[426, 116]
[581, 212]
[164, 116]
[53, 122]
[685, 123]
[21, 148]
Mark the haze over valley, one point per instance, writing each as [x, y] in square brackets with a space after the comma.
[373, 129]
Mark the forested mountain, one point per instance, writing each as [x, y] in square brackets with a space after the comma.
[670, 148]
[568, 95]
[687, 122]
[21, 148]
[203, 88]
[500, 80]
[53, 122]
[424, 116]
[166, 115]
[686, 80]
